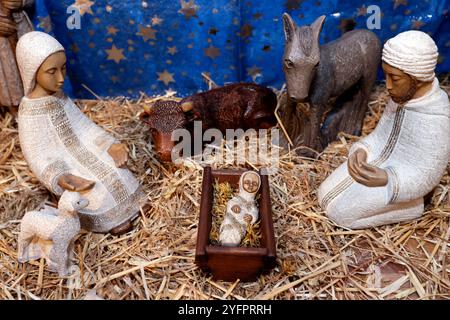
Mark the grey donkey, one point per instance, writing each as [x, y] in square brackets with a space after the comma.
[328, 86]
[49, 233]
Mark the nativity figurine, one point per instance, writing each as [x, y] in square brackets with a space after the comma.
[241, 211]
[234, 106]
[389, 172]
[49, 233]
[14, 23]
[64, 148]
[328, 86]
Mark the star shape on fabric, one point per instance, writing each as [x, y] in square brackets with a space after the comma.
[246, 31]
[212, 52]
[172, 50]
[188, 8]
[165, 77]
[398, 3]
[417, 24]
[115, 54]
[74, 48]
[362, 11]
[293, 4]
[115, 79]
[108, 8]
[112, 30]
[156, 20]
[147, 33]
[45, 23]
[84, 6]
[254, 72]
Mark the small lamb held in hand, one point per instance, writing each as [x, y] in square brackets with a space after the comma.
[49, 233]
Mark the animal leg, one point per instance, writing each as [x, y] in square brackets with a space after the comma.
[346, 116]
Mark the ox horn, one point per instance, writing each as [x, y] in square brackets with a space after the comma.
[187, 106]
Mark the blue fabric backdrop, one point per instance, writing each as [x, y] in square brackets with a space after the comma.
[129, 47]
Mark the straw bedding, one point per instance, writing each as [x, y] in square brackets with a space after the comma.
[316, 259]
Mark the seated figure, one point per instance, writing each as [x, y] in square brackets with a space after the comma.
[64, 148]
[389, 172]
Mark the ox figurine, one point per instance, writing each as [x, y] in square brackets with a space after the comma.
[334, 79]
[242, 105]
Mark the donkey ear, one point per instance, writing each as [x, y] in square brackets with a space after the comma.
[317, 25]
[289, 27]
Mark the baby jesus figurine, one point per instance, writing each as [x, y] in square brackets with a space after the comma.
[242, 210]
[64, 148]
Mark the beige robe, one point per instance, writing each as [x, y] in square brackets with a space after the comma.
[57, 138]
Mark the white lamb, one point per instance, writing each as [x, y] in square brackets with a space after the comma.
[49, 233]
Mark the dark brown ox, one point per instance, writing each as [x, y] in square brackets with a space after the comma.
[243, 105]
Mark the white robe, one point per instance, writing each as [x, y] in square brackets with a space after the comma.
[412, 143]
[57, 138]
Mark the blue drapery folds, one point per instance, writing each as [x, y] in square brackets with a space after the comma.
[129, 47]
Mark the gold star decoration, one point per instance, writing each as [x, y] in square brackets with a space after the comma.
[398, 3]
[156, 20]
[147, 33]
[115, 54]
[115, 79]
[246, 31]
[212, 52]
[188, 8]
[293, 4]
[362, 11]
[417, 24]
[74, 48]
[165, 77]
[84, 6]
[108, 8]
[172, 50]
[254, 72]
[112, 30]
[45, 23]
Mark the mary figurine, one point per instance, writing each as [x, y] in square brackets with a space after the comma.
[64, 148]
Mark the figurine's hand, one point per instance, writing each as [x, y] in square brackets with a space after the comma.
[74, 183]
[7, 27]
[12, 4]
[364, 173]
[119, 153]
[248, 218]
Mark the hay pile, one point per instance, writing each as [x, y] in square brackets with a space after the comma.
[316, 259]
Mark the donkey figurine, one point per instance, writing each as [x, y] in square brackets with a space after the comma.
[334, 80]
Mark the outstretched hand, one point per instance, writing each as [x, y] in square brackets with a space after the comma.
[74, 183]
[119, 153]
[364, 173]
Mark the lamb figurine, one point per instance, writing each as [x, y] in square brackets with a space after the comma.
[241, 210]
[49, 233]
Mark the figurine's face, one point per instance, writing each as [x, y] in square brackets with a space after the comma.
[51, 74]
[401, 86]
[250, 182]
[301, 56]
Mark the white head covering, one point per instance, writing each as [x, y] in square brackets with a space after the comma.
[413, 52]
[31, 51]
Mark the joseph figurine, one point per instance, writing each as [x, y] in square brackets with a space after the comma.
[64, 148]
[389, 172]
[14, 23]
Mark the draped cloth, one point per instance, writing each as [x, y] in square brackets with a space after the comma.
[412, 143]
[11, 89]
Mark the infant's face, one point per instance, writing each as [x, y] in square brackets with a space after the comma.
[251, 182]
